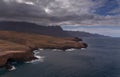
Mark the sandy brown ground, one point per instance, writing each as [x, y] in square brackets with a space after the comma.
[19, 46]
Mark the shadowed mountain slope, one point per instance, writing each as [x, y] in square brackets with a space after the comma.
[82, 34]
[33, 28]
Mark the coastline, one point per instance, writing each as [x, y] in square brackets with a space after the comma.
[19, 47]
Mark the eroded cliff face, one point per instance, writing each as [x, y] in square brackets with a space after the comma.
[17, 56]
[18, 46]
[13, 51]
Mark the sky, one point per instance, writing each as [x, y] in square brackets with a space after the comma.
[96, 16]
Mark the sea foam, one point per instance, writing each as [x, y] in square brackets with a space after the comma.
[39, 58]
[40, 49]
[13, 68]
[71, 49]
[56, 50]
[83, 48]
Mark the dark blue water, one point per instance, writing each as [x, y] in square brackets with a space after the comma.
[100, 59]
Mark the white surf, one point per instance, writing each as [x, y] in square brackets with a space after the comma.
[13, 68]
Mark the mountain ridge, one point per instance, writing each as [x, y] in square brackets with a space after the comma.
[54, 30]
[82, 34]
[32, 28]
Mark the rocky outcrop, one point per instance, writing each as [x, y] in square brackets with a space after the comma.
[18, 47]
[15, 52]
[18, 56]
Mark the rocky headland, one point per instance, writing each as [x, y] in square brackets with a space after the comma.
[19, 47]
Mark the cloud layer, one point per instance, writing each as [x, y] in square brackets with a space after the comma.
[64, 12]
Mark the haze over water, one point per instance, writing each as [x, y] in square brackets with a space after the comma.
[100, 59]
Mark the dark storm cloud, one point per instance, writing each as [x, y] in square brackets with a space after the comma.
[19, 9]
[55, 12]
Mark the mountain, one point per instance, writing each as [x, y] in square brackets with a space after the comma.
[84, 34]
[32, 28]
[44, 30]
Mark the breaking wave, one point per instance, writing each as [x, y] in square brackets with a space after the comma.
[39, 58]
[83, 48]
[13, 68]
[40, 49]
[71, 49]
[56, 50]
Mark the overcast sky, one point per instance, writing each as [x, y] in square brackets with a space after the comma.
[93, 13]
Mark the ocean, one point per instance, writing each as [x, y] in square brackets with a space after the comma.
[100, 59]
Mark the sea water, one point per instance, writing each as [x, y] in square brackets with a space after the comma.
[100, 59]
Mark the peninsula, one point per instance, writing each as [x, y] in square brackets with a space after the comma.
[19, 46]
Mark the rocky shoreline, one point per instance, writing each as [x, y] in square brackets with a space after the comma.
[19, 47]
